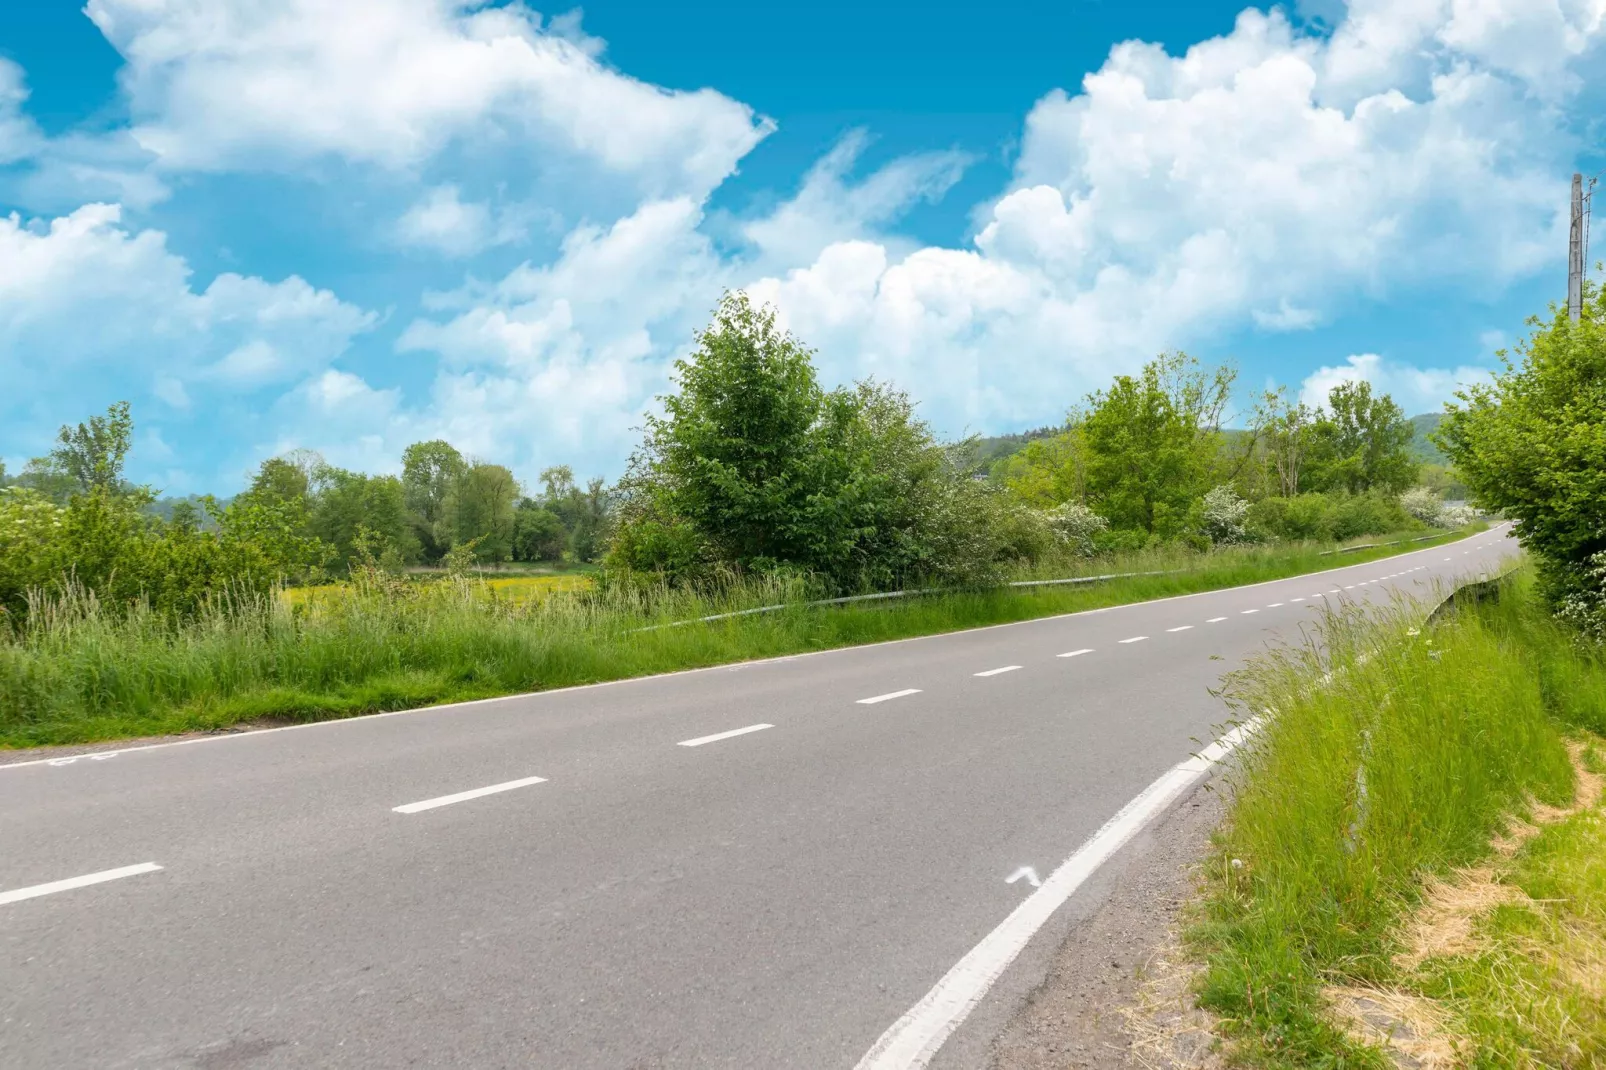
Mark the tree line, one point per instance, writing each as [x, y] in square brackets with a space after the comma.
[750, 466]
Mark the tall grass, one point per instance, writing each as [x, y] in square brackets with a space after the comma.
[1391, 752]
[76, 673]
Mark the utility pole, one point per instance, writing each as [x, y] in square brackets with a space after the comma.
[1575, 253]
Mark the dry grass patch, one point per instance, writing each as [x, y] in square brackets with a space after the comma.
[1491, 974]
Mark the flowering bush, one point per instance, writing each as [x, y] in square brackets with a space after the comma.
[1222, 516]
[1075, 526]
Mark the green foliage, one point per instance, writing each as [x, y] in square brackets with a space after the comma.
[1390, 755]
[1359, 443]
[278, 479]
[93, 453]
[480, 506]
[1152, 443]
[80, 669]
[429, 472]
[345, 504]
[1047, 472]
[754, 467]
[538, 533]
[1327, 517]
[1533, 445]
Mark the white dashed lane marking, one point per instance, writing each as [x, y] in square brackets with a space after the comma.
[995, 672]
[465, 796]
[1135, 639]
[17, 895]
[1076, 653]
[717, 736]
[873, 699]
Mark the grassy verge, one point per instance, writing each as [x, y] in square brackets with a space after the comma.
[1414, 859]
[80, 675]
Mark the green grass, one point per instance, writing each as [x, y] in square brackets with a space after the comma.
[1402, 763]
[78, 674]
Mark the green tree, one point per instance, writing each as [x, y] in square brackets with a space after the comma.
[733, 446]
[481, 506]
[1361, 442]
[1153, 442]
[430, 471]
[93, 453]
[1284, 429]
[538, 533]
[1533, 444]
[279, 479]
[754, 466]
[1047, 471]
[346, 504]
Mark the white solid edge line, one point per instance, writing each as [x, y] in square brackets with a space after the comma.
[717, 736]
[1075, 653]
[1135, 639]
[995, 672]
[537, 695]
[912, 1041]
[1181, 628]
[464, 796]
[873, 699]
[19, 894]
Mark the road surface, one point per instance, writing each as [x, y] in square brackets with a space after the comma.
[761, 865]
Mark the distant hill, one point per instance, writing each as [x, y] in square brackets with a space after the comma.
[987, 450]
[1422, 447]
[990, 449]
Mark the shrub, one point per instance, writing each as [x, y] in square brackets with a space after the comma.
[1422, 504]
[1222, 515]
[1076, 527]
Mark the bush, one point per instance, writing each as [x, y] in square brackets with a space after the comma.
[1533, 445]
[1327, 517]
[1222, 515]
[1076, 527]
[1422, 504]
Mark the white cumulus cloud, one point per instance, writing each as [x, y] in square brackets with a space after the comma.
[1416, 390]
[223, 84]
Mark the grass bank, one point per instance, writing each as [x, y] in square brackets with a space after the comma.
[1414, 850]
[78, 674]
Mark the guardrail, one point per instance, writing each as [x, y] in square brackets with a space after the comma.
[949, 590]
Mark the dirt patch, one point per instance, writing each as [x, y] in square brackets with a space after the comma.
[1412, 1031]
[1119, 993]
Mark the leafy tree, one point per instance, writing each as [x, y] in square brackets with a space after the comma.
[538, 533]
[1361, 442]
[1047, 471]
[93, 453]
[279, 479]
[481, 507]
[45, 476]
[346, 504]
[1284, 429]
[430, 471]
[1533, 444]
[755, 467]
[1153, 441]
[733, 447]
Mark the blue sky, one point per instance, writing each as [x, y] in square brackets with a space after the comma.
[349, 227]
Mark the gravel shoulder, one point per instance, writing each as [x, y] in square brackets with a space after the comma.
[1116, 996]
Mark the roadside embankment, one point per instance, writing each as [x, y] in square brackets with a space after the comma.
[77, 674]
[1413, 867]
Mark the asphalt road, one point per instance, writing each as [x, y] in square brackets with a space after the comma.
[774, 898]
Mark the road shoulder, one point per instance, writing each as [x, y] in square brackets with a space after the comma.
[1116, 993]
